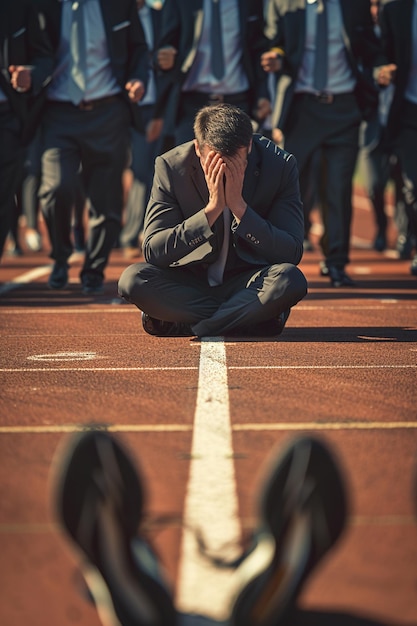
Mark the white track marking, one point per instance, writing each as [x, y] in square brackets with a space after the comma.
[172, 428]
[265, 426]
[112, 428]
[90, 310]
[25, 278]
[187, 368]
[211, 506]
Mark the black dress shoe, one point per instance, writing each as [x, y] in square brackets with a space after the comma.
[268, 328]
[99, 499]
[324, 270]
[92, 283]
[338, 277]
[161, 328]
[413, 267]
[404, 247]
[307, 245]
[302, 515]
[59, 276]
[380, 242]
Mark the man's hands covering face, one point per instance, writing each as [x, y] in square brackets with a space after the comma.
[224, 177]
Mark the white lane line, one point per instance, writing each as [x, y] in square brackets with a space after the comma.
[265, 426]
[95, 369]
[186, 368]
[37, 310]
[359, 307]
[211, 506]
[113, 428]
[320, 367]
[172, 428]
[27, 277]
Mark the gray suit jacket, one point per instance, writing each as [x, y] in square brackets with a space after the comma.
[271, 231]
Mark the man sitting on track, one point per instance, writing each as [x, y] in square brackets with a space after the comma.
[223, 234]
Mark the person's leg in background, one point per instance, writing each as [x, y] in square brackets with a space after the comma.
[142, 166]
[30, 193]
[11, 167]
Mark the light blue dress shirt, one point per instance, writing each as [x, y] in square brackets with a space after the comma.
[100, 81]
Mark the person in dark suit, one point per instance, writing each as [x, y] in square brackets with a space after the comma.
[319, 106]
[380, 167]
[143, 151]
[26, 64]
[102, 71]
[200, 65]
[398, 21]
[223, 234]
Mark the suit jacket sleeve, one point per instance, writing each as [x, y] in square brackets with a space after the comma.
[176, 232]
[40, 50]
[272, 229]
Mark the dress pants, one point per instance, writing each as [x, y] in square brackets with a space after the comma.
[97, 141]
[12, 155]
[405, 148]
[332, 129]
[143, 159]
[255, 295]
[379, 169]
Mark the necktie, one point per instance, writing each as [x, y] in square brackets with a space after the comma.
[216, 269]
[217, 59]
[76, 87]
[320, 67]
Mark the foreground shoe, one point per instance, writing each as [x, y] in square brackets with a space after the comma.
[302, 514]
[160, 328]
[59, 276]
[92, 283]
[98, 499]
[338, 277]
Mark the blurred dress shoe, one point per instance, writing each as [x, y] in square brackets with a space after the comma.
[98, 499]
[404, 247]
[59, 276]
[161, 328]
[413, 267]
[92, 283]
[338, 277]
[324, 270]
[380, 242]
[303, 509]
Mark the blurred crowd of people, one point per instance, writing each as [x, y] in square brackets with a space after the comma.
[91, 91]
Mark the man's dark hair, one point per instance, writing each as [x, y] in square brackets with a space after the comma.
[223, 127]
